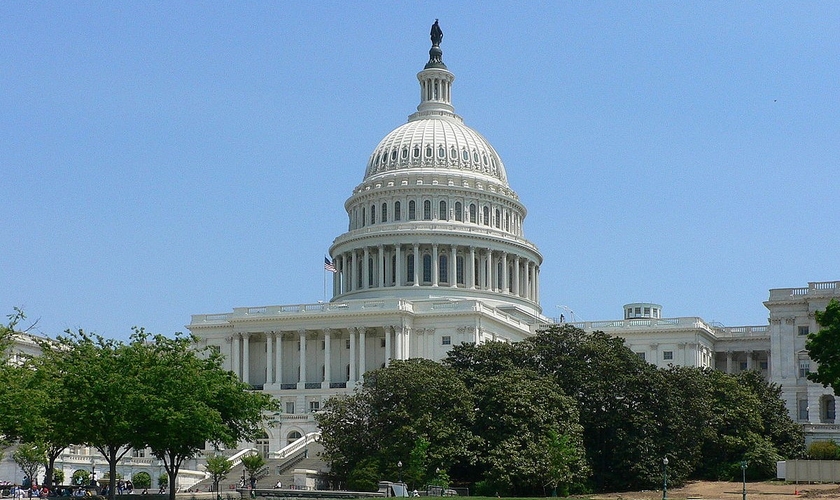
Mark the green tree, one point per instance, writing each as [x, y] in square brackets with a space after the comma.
[189, 400]
[58, 477]
[100, 379]
[81, 477]
[30, 459]
[823, 450]
[253, 462]
[141, 480]
[218, 466]
[612, 388]
[395, 407]
[784, 434]
[824, 347]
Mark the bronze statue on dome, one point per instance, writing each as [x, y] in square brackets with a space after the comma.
[436, 34]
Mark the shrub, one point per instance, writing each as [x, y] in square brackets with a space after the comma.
[823, 450]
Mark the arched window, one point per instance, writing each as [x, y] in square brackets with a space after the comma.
[472, 213]
[459, 269]
[363, 217]
[498, 218]
[370, 272]
[373, 214]
[443, 215]
[465, 156]
[262, 444]
[397, 215]
[499, 275]
[409, 274]
[507, 221]
[510, 277]
[427, 210]
[486, 216]
[384, 212]
[359, 277]
[428, 151]
[293, 436]
[404, 153]
[459, 216]
[441, 152]
[416, 151]
[427, 268]
[443, 269]
[412, 211]
[453, 153]
[393, 155]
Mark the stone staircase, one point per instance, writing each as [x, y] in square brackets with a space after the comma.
[275, 469]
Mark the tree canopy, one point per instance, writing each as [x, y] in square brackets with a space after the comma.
[824, 347]
[565, 410]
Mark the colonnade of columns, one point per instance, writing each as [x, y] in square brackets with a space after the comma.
[365, 348]
[747, 360]
[421, 265]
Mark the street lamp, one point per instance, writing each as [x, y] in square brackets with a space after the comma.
[93, 471]
[399, 468]
[744, 478]
[665, 478]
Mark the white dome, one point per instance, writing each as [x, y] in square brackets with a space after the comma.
[437, 142]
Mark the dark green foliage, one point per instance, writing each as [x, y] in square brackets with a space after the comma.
[141, 480]
[824, 347]
[364, 477]
[823, 450]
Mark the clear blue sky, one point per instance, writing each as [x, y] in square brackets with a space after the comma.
[162, 159]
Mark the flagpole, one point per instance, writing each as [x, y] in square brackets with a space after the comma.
[325, 285]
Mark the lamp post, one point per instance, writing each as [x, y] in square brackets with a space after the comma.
[744, 478]
[93, 471]
[665, 478]
[399, 468]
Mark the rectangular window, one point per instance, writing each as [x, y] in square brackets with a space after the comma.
[763, 365]
[382, 343]
[803, 330]
[668, 355]
[314, 406]
[446, 340]
[742, 365]
[347, 344]
[641, 355]
[804, 368]
[290, 407]
[323, 345]
[647, 312]
[802, 406]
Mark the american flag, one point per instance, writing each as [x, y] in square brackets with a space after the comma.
[329, 266]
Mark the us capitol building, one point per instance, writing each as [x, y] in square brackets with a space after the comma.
[435, 254]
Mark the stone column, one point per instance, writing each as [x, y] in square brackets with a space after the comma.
[749, 360]
[729, 362]
[362, 354]
[399, 266]
[388, 344]
[234, 355]
[453, 266]
[246, 358]
[505, 284]
[482, 271]
[435, 264]
[491, 271]
[516, 275]
[471, 269]
[269, 355]
[278, 353]
[302, 375]
[351, 283]
[327, 359]
[417, 264]
[398, 340]
[366, 270]
[381, 250]
[536, 283]
[352, 379]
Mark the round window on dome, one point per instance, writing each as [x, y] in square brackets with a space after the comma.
[428, 151]
[441, 152]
